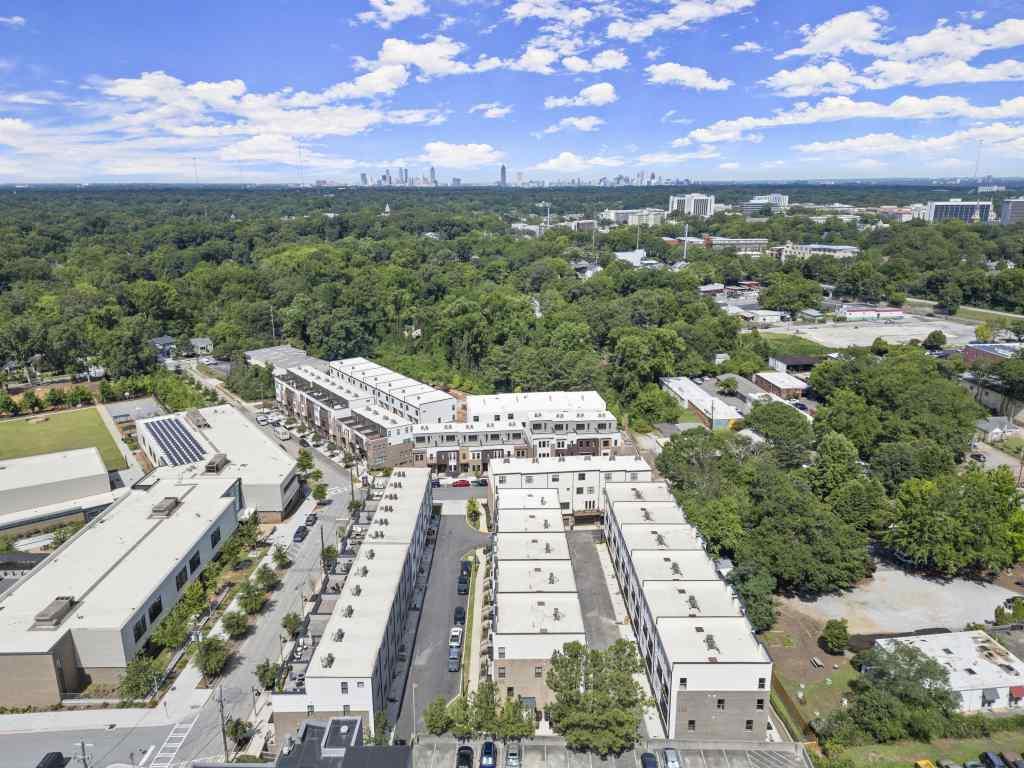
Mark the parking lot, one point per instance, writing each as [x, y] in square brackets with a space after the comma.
[552, 753]
[862, 333]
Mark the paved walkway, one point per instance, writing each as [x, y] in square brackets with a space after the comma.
[135, 470]
[476, 631]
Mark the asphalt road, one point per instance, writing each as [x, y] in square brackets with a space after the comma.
[430, 676]
[595, 602]
[447, 493]
[106, 748]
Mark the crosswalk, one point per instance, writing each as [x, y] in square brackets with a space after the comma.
[169, 749]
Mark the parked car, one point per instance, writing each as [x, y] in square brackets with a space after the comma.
[435, 483]
[648, 760]
[282, 434]
[480, 481]
[461, 483]
[1012, 759]
[464, 757]
[672, 758]
[924, 764]
[455, 637]
[981, 458]
[948, 764]
[460, 616]
[488, 754]
[992, 760]
[463, 587]
[454, 659]
[311, 519]
[973, 764]
[261, 419]
[513, 755]
[304, 442]
[465, 568]
[800, 406]
[300, 534]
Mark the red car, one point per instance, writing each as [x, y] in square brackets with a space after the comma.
[461, 484]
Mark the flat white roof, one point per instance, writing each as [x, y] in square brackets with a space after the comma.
[59, 509]
[661, 537]
[556, 464]
[583, 404]
[531, 546]
[386, 380]
[527, 498]
[399, 506]
[710, 639]
[691, 393]
[973, 659]
[782, 380]
[674, 565]
[530, 520]
[529, 577]
[691, 598]
[628, 513]
[525, 614]
[638, 491]
[46, 468]
[116, 562]
[328, 383]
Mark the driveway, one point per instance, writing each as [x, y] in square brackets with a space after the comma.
[430, 677]
[595, 602]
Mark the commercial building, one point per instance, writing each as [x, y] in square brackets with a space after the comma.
[983, 672]
[357, 655]
[83, 613]
[806, 250]
[394, 392]
[52, 488]
[955, 208]
[794, 363]
[710, 677]
[781, 384]
[1012, 211]
[638, 259]
[632, 215]
[225, 439]
[868, 312]
[753, 246]
[992, 353]
[693, 204]
[576, 482]
[712, 411]
[282, 357]
[648, 217]
[775, 201]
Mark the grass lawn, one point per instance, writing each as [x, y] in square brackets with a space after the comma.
[1012, 445]
[786, 344]
[61, 431]
[904, 753]
[820, 697]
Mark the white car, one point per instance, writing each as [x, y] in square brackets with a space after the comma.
[261, 420]
[455, 637]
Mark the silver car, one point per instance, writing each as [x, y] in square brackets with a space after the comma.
[672, 758]
[513, 755]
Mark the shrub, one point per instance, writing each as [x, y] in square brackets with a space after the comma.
[835, 637]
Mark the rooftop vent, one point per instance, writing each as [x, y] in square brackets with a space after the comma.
[197, 419]
[349, 610]
[52, 615]
[709, 641]
[216, 463]
[339, 635]
[165, 507]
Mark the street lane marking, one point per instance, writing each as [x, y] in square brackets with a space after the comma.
[168, 751]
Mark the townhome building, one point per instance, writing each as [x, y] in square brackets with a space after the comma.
[417, 402]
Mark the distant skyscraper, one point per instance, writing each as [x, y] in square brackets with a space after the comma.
[363, 180]
[456, 181]
[504, 176]
[433, 176]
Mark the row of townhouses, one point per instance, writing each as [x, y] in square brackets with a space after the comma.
[395, 421]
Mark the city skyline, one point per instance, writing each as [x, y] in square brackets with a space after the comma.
[549, 89]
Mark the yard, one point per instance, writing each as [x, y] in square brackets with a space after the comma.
[60, 431]
[784, 344]
[902, 754]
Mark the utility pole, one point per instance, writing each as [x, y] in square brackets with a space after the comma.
[273, 328]
[84, 757]
[223, 732]
[686, 239]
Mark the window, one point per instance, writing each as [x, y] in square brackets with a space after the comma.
[590, 489]
[581, 476]
[564, 504]
[501, 673]
[139, 629]
[511, 417]
[501, 479]
[579, 490]
[501, 652]
[760, 705]
[193, 563]
[509, 692]
[682, 683]
[528, 479]
[344, 688]
[632, 475]
[360, 684]
[346, 709]
[720, 705]
[538, 672]
[554, 478]
[215, 538]
[749, 726]
[760, 683]
[691, 725]
[180, 579]
[559, 427]
[476, 418]
[156, 608]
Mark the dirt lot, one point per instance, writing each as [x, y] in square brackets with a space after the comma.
[863, 333]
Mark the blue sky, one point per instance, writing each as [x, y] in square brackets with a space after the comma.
[555, 89]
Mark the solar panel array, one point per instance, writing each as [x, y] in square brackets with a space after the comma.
[175, 441]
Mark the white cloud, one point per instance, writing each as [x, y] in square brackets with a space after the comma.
[1005, 139]
[866, 164]
[673, 117]
[384, 13]
[748, 47]
[773, 163]
[597, 95]
[681, 15]
[670, 158]
[671, 73]
[552, 10]
[655, 53]
[586, 124]
[13, 22]
[728, 166]
[950, 163]
[435, 58]
[939, 71]
[610, 59]
[492, 110]
[534, 59]
[856, 31]
[839, 108]
[812, 79]
[568, 162]
[445, 155]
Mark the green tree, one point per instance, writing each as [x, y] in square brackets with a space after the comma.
[140, 677]
[787, 431]
[320, 493]
[381, 729]
[436, 718]
[267, 672]
[266, 578]
[485, 708]
[756, 589]
[31, 402]
[238, 730]
[835, 636]
[304, 462]
[291, 623]
[314, 475]
[849, 414]
[236, 624]
[935, 340]
[211, 656]
[837, 463]
[54, 398]
[598, 703]
[280, 556]
[791, 293]
[727, 386]
[515, 721]
[473, 512]
[460, 715]
[251, 598]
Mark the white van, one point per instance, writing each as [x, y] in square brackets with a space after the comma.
[282, 434]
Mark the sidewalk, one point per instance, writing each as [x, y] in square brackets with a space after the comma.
[476, 631]
[134, 471]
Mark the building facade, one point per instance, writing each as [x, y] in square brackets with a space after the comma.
[944, 210]
[693, 204]
[1012, 211]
